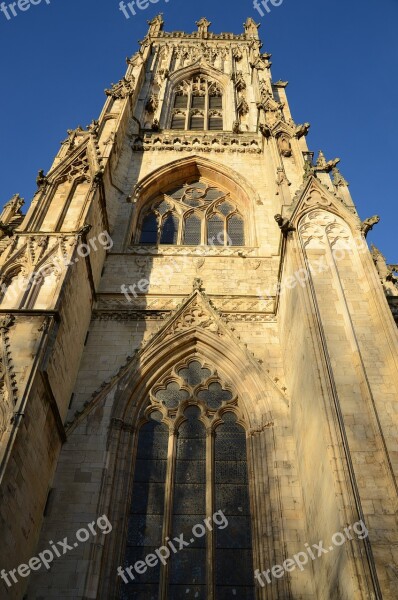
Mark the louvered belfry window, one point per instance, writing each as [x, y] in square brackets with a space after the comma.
[190, 464]
[198, 105]
[192, 214]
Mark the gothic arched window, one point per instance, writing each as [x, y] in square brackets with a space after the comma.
[198, 105]
[190, 484]
[193, 214]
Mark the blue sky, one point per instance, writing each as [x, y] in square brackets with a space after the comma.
[340, 59]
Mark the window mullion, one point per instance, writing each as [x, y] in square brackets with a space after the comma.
[210, 495]
[207, 102]
[168, 510]
[188, 116]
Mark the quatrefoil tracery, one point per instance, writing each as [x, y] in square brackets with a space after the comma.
[192, 383]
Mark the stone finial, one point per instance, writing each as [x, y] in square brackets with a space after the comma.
[203, 26]
[309, 170]
[156, 24]
[338, 179]
[198, 284]
[251, 28]
[385, 271]
[15, 203]
[321, 161]
[368, 224]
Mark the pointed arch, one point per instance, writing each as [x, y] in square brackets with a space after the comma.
[195, 168]
[314, 195]
[251, 399]
[197, 69]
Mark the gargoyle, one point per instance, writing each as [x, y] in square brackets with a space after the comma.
[155, 125]
[41, 179]
[84, 230]
[5, 230]
[265, 130]
[368, 224]
[302, 130]
[284, 225]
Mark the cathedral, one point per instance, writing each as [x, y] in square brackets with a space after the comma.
[199, 351]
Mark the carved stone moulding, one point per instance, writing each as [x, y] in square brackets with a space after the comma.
[189, 251]
[145, 304]
[173, 141]
[129, 315]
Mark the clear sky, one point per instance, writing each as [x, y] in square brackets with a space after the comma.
[340, 59]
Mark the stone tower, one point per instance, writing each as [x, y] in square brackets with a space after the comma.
[196, 341]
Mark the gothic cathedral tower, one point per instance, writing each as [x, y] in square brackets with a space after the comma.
[199, 366]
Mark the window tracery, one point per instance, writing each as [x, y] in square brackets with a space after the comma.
[193, 214]
[198, 105]
[191, 461]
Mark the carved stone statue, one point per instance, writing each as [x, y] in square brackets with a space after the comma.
[41, 179]
[236, 127]
[368, 224]
[284, 146]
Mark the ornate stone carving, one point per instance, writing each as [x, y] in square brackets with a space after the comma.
[281, 177]
[152, 104]
[203, 26]
[8, 384]
[14, 206]
[386, 272]
[79, 167]
[323, 165]
[239, 81]
[199, 142]
[338, 179]
[251, 28]
[243, 107]
[237, 54]
[123, 89]
[284, 145]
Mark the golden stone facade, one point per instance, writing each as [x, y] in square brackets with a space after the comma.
[185, 256]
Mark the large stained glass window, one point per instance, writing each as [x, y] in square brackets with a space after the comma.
[191, 468]
[192, 214]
